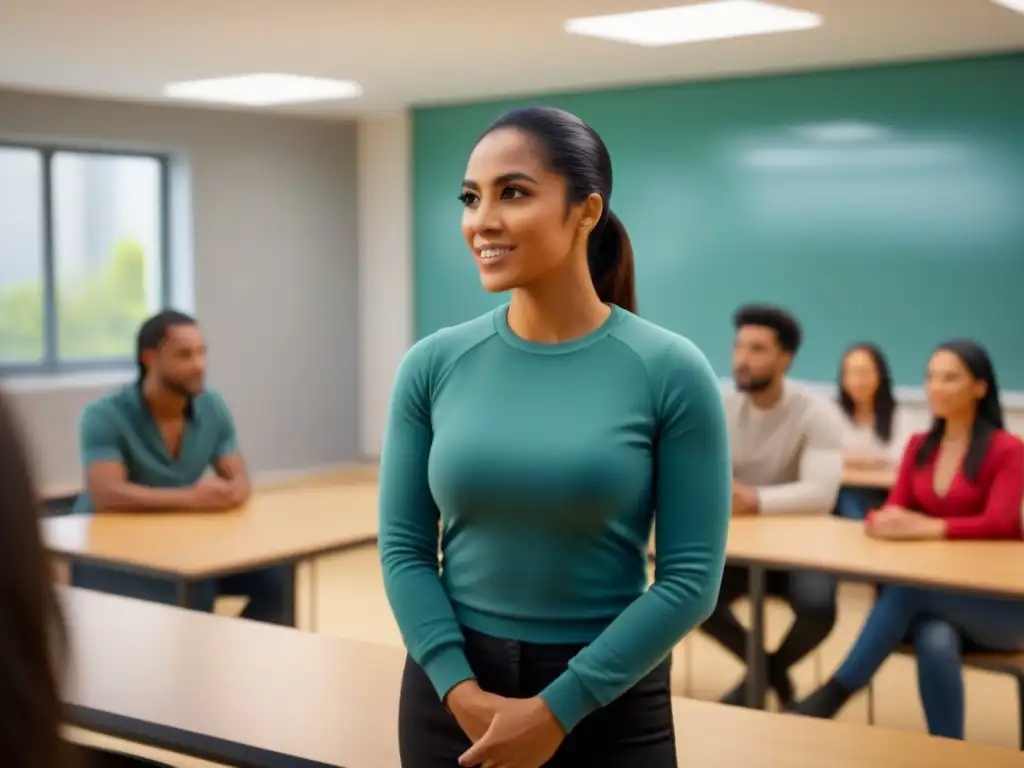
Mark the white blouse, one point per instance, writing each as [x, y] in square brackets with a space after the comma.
[861, 440]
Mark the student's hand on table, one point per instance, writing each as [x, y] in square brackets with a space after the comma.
[896, 523]
[213, 493]
[239, 493]
[473, 708]
[524, 733]
[744, 500]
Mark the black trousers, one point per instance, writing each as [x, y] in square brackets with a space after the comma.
[810, 594]
[634, 731]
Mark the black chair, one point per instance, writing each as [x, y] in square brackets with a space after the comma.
[1007, 663]
[59, 505]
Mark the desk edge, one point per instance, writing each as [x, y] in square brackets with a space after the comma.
[183, 742]
[210, 573]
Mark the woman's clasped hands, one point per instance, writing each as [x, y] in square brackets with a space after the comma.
[506, 733]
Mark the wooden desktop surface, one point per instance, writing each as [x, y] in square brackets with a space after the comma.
[275, 526]
[841, 546]
[345, 473]
[882, 478]
[719, 736]
[188, 673]
[243, 692]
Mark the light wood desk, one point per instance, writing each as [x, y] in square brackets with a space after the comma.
[234, 692]
[987, 568]
[882, 478]
[841, 547]
[276, 528]
[356, 472]
[260, 696]
[719, 736]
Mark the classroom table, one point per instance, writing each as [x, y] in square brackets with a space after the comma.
[60, 497]
[840, 547]
[881, 478]
[260, 696]
[275, 528]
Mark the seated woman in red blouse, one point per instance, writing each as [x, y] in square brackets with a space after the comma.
[963, 479]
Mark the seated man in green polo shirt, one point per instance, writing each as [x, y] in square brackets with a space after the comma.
[149, 446]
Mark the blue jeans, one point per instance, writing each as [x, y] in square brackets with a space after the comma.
[271, 591]
[939, 624]
[854, 503]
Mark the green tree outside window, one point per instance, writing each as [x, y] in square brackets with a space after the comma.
[97, 314]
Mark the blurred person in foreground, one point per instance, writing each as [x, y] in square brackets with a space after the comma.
[33, 639]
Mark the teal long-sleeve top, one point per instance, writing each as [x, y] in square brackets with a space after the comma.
[541, 468]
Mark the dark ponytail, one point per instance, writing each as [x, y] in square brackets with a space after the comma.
[610, 258]
[573, 150]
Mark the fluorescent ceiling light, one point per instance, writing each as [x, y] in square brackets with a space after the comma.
[1013, 5]
[693, 23]
[263, 90]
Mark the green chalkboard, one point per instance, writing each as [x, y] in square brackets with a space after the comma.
[884, 204]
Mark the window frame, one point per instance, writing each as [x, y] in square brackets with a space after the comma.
[52, 364]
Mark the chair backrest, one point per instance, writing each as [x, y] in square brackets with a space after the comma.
[59, 505]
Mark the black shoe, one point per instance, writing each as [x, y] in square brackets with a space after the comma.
[737, 697]
[778, 681]
[825, 702]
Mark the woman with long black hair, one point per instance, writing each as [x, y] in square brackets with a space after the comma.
[963, 479]
[867, 399]
[34, 647]
[875, 435]
[32, 635]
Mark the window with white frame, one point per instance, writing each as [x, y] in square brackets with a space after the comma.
[83, 255]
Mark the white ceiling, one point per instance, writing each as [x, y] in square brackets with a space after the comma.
[437, 51]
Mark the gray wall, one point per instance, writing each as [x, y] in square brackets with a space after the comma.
[274, 235]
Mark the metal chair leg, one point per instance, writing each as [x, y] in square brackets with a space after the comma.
[1020, 708]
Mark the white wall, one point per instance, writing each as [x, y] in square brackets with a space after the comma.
[273, 234]
[385, 266]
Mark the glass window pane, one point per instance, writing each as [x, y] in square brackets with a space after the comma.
[21, 257]
[106, 220]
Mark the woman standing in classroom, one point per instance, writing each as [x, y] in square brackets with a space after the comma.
[537, 444]
[963, 479]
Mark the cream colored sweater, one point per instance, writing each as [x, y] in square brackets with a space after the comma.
[792, 453]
